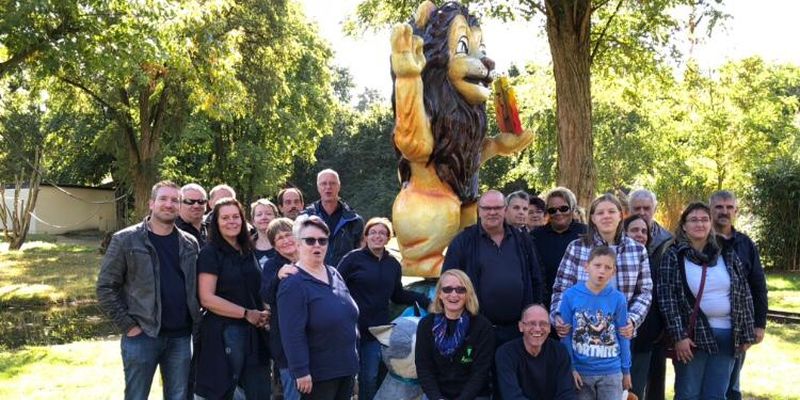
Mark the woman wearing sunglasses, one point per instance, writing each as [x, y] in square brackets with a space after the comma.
[455, 344]
[373, 277]
[317, 318]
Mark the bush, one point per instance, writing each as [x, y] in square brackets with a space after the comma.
[776, 204]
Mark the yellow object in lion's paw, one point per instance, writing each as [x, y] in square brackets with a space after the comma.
[505, 105]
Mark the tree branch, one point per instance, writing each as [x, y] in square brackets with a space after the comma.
[599, 39]
[91, 93]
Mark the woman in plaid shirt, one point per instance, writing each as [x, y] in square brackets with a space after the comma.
[633, 265]
[724, 323]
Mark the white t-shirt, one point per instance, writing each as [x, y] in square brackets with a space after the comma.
[716, 301]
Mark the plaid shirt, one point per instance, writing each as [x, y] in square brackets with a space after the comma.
[633, 274]
[677, 301]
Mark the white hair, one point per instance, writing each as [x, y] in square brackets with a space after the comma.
[641, 194]
[193, 186]
[328, 171]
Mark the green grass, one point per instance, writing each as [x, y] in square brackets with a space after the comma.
[47, 295]
[80, 371]
[784, 292]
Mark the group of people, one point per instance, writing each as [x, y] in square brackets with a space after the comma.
[215, 299]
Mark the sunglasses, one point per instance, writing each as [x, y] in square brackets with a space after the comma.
[190, 202]
[553, 210]
[451, 289]
[309, 241]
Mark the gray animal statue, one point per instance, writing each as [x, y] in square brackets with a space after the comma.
[398, 340]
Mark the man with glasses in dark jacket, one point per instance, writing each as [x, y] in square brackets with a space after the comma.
[345, 224]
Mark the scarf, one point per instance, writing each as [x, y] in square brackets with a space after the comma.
[447, 345]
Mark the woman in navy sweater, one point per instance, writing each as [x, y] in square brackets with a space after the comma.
[373, 277]
[455, 344]
[318, 319]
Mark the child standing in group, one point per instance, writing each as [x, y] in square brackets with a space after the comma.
[596, 310]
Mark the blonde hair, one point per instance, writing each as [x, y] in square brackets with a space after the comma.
[471, 305]
[378, 221]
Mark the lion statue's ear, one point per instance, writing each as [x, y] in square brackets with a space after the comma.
[423, 14]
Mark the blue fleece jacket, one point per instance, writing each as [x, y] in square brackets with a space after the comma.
[318, 325]
[594, 342]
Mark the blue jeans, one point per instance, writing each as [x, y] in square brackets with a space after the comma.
[734, 393]
[289, 385]
[601, 387]
[640, 371]
[707, 375]
[369, 353]
[252, 378]
[140, 356]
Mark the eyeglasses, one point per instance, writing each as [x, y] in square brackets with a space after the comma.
[190, 202]
[553, 210]
[451, 289]
[487, 208]
[378, 233]
[309, 241]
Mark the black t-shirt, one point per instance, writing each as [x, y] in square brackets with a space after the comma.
[175, 318]
[333, 219]
[262, 256]
[238, 277]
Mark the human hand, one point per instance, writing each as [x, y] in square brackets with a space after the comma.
[576, 377]
[759, 335]
[286, 270]
[304, 384]
[627, 330]
[135, 331]
[683, 350]
[562, 329]
[627, 384]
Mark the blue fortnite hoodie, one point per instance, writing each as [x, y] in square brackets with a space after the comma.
[594, 342]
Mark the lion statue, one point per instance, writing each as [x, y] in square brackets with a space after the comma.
[441, 80]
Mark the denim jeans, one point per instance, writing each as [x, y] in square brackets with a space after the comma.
[140, 356]
[707, 375]
[253, 379]
[734, 393]
[289, 385]
[369, 353]
[601, 387]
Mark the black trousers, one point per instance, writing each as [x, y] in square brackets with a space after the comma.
[331, 389]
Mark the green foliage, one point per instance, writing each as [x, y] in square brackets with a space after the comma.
[361, 151]
[777, 205]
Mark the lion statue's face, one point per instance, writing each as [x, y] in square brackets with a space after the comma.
[469, 70]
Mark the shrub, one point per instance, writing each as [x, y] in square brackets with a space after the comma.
[776, 204]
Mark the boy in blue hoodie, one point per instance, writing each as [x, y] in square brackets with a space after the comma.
[601, 357]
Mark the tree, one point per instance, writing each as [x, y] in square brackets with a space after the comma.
[621, 30]
[21, 146]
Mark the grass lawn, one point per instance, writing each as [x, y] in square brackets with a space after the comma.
[784, 292]
[80, 371]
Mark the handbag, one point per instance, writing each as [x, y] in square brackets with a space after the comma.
[670, 346]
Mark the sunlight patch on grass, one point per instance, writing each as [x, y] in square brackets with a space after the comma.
[23, 291]
[79, 371]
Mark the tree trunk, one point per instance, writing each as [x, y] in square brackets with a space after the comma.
[20, 212]
[568, 29]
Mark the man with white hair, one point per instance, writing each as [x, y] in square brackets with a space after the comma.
[643, 202]
[345, 224]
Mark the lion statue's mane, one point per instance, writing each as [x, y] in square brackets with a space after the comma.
[458, 127]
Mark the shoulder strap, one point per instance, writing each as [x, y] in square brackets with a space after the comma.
[695, 311]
